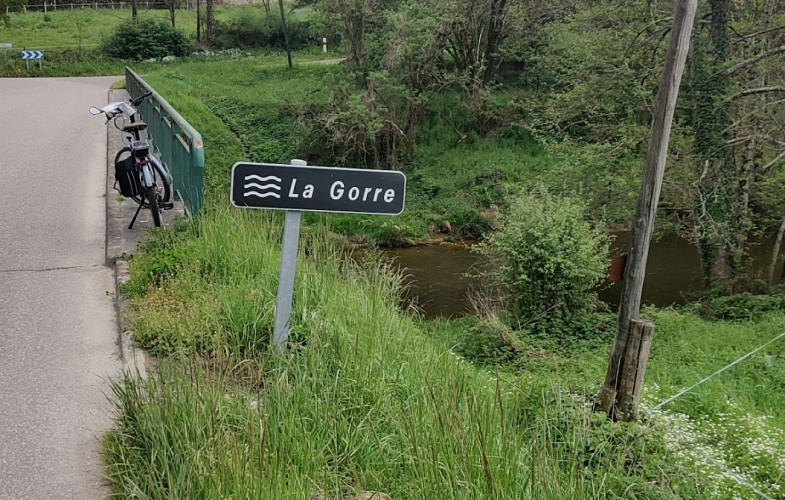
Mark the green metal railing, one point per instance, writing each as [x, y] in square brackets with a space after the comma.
[180, 146]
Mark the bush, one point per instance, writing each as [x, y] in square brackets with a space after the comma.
[251, 32]
[743, 306]
[492, 342]
[547, 257]
[151, 40]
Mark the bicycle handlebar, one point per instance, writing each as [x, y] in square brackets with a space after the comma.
[137, 101]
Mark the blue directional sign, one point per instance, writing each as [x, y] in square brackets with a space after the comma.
[32, 54]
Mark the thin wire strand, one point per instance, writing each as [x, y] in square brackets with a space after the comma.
[728, 472]
[688, 389]
[734, 476]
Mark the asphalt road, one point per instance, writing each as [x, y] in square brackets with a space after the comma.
[57, 325]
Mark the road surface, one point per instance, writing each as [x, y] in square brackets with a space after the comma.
[57, 325]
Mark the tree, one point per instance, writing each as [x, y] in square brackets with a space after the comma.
[172, 6]
[285, 35]
[735, 130]
[7, 5]
[209, 21]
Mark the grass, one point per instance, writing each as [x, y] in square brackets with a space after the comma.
[369, 399]
[453, 186]
[71, 39]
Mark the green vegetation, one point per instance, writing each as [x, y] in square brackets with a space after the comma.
[72, 39]
[369, 399]
[478, 113]
[151, 40]
[547, 258]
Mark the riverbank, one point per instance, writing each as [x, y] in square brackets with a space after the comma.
[369, 398]
[366, 390]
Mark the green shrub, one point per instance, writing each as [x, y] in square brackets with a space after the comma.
[151, 40]
[548, 258]
[251, 32]
[491, 342]
[743, 306]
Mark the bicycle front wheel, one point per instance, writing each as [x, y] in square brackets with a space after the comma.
[152, 202]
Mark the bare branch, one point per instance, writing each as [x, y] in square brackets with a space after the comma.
[748, 92]
[765, 168]
[758, 33]
[753, 60]
[653, 23]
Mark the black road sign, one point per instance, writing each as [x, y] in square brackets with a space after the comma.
[318, 189]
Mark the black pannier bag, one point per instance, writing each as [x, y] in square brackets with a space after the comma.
[126, 178]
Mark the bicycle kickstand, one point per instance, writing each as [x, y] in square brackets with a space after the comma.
[135, 216]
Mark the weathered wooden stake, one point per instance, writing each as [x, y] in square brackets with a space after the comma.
[664, 105]
[636, 357]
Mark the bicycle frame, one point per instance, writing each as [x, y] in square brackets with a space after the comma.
[155, 193]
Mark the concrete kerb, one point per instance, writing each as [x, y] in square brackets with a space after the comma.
[121, 242]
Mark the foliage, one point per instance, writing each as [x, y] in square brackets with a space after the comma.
[152, 40]
[491, 342]
[547, 256]
[744, 306]
[6, 6]
[257, 31]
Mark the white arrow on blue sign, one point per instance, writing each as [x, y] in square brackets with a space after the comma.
[32, 54]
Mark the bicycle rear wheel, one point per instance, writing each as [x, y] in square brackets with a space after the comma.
[152, 202]
[160, 181]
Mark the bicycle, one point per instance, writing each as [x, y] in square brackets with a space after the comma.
[148, 186]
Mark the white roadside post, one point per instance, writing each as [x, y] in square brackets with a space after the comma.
[283, 303]
[324, 44]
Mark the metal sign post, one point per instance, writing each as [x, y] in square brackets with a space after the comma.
[296, 188]
[283, 303]
[5, 46]
[32, 54]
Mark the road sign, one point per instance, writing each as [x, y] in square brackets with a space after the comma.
[32, 54]
[6, 45]
[318, 189]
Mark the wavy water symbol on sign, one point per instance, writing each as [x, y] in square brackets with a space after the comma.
[262, 190]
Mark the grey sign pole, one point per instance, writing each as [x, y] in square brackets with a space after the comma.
[283, 303]
[298, 188]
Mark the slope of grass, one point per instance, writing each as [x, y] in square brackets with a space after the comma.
[368, 399]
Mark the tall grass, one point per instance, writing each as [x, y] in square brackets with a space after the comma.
[368, 399]
[363, 400]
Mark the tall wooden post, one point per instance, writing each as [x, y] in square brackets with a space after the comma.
[664, 105]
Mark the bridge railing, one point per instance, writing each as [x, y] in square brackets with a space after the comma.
[180, 146]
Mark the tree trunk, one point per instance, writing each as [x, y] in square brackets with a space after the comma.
[775, 253]
[747, 165]
[134, 13]
[209, 22]
[717, 190]
[495, 37]
[198, 20]
[664, 106]
[285, 34]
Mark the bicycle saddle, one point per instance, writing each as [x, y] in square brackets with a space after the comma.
[135, 127]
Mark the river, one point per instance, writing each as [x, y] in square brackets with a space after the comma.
[438, 277]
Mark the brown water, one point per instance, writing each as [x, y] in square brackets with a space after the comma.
[437, 278]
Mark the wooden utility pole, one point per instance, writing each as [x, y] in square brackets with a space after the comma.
[619, 379]
[285, 35]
